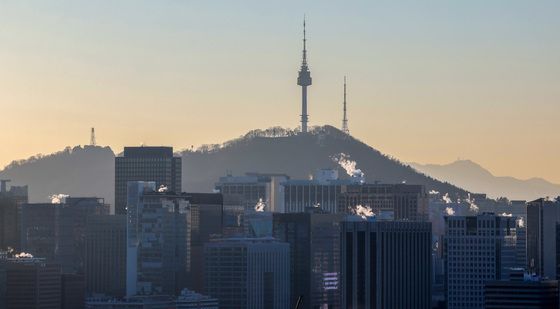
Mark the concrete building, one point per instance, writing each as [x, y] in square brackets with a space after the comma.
[542, 217]
[72, 291]
[524, 292]
[158, 240]
[385, 264]
[314, 239]
[406, 202]
[248, 273]
[105, 255]
[323, 190]
[477, 249]
[186, 300]
[10, 206]
[155, 164]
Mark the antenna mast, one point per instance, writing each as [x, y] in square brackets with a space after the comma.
[92, 138]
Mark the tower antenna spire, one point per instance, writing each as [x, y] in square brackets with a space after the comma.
[92, 138]
[304, 80]
[344, 118]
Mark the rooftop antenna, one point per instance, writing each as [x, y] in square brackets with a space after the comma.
[344, 118]
[92, 138]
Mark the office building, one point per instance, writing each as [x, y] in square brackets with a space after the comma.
[248, 273]
[477, 249]
[71, 218]
[314, 239]
[38, 230]
[542, 217]
[186, 300]
[206, 217]
[105, 255]
[406, 202]
[251, 188]
[10, 206]
[72, 291]
[158, 240]
[385, 264]
[30, 283]
[155, 164]
[323, 190]
[524, 292]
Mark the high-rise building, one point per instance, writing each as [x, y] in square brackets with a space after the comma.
[105, 255]
[187, 300]
[158, 240]
[542, 217]
[385, 264]
[38, 230]
[477, 249]
[248, 273]
[404, 201]
[10, 206]
[155, 164]
[304, 80]
[525, 292]
[314, 239]
[30, 283]
[206, 215]
[71, 218]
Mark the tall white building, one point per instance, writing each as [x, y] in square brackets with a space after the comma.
[477, 249]
[248, 273]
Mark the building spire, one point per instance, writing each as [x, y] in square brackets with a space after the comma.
[304, 80]
[304, 59]
[344, 118]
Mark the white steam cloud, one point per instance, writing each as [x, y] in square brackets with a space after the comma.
[58, 198]
[521, 222]
[449, 211]
[317, 205]
[162, 188]
[433, 192]
[362, 211]
[349, 166]
[506, 215]
[260, 206]
[24, 255]
[446, 198]
[472, 206]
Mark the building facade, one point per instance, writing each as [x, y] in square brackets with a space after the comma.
[158, 240]
[155, 164]
[105, 255]
[10, 207]
[528, 293]
[314, 239]
[542, 217]
[386, 264]
[477, 249]
[248, 273]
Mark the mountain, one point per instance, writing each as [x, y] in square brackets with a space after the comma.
[77, 171]
[89, 171]
[475, 178]
[278, 150]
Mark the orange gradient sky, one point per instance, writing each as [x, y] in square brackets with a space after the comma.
[428, 82]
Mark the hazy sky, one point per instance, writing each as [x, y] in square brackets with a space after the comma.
[429, 81]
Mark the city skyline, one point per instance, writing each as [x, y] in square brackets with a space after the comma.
[426, 83]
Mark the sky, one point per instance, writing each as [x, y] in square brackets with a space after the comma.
[428, 81]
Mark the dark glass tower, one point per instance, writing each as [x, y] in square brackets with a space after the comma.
[155, 164]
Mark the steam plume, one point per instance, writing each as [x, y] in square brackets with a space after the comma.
[472, 206]
[349, 166]
[260, 205]
[162, 188]
[24, 255]
[506, 215]
[362, 211]
[58, 198]
[521, 222]
[446, 198]
[433, 192]
[449, 211]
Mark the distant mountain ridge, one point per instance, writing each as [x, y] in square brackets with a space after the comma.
[89, 170]
[473, 177]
